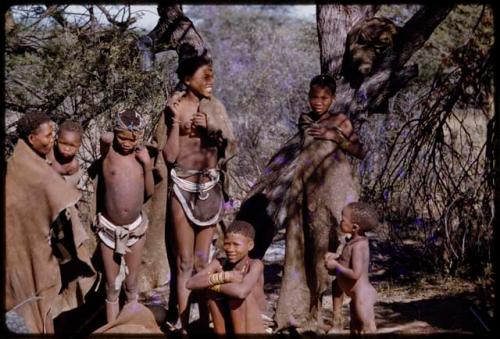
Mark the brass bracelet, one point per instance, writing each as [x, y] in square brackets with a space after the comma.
[212, 279]
[215, 288]
[223, 277]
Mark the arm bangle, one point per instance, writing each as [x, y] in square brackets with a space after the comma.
[215, 288]
[344, 144]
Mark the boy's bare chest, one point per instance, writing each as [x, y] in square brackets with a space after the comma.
[121, 166]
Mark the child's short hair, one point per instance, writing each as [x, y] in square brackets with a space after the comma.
[324, 80]
[30, 122]
[190, 61]
[364, 215]
[241, 227]
[70, 126]
[129, 120]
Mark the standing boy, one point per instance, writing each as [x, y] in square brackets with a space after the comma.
[121, 225]
[236, 287]
[352, 267]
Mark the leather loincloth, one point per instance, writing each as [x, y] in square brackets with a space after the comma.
[120, 238]
[202, 203]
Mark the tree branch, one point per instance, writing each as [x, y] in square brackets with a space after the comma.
[418, 29]
[173, 29]
[390, 75]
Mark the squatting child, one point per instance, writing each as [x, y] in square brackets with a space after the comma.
[351, 269]
[121, 224]
[236, 298]
[63, 156]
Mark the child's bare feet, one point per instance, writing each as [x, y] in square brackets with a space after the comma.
[338, 323]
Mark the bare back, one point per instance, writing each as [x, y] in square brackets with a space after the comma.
[124, 187]
[258, 291]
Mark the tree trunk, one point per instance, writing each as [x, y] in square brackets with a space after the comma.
[334, 22]
[392, 74]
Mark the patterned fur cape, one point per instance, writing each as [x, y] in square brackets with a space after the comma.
[303, 189]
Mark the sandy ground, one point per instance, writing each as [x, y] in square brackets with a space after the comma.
[406, 305]
[422, 307]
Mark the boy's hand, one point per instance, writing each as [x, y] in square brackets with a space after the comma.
[142, 155]
[199, 120]
[233, 276]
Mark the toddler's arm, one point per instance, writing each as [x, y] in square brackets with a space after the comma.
[359, 260]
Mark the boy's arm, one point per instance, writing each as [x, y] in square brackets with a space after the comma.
[142, 155]
[105, 143]
[242, 289]
[149, 183]
[172, 121]
[201, 279]
[359, 260]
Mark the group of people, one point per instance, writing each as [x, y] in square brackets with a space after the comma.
[199, 142]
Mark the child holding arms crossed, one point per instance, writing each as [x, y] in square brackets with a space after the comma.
[236, 296]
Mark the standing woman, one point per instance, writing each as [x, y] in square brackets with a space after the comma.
[199, 142]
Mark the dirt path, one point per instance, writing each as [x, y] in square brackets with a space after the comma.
[406, 304]
[422, 306]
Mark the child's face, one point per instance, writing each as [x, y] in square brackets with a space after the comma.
[42, 139]
[320, 99]
[68, 143]
[202, 81]
[346, 224]
[237, 246]
[127, 141]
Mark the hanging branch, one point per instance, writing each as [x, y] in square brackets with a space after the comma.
[172, 29]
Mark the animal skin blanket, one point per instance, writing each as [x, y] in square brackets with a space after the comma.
[133, 318]
[36, 196]
[304, 188]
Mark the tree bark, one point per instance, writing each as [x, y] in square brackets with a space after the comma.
[392, 74]
[333, 23]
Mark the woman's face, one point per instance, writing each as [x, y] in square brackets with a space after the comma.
[42, 139]
[201, 82]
